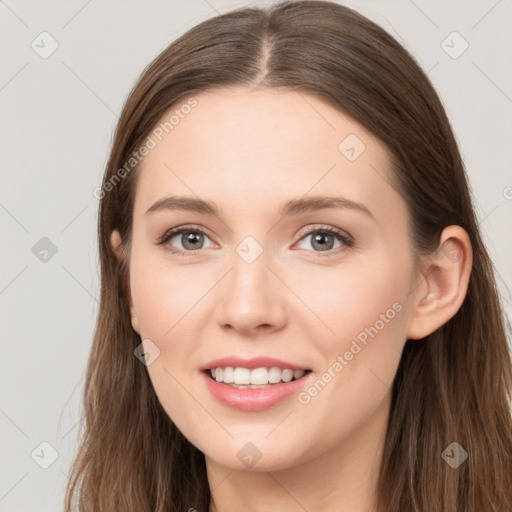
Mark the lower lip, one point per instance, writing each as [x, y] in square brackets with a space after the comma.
[247, 399]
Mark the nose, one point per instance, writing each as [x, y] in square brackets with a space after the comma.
[252, 297]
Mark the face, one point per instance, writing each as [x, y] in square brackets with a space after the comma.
[270, 274]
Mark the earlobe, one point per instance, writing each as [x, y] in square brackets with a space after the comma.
[445, 283]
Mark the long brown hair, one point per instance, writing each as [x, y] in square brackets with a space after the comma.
[452, 386]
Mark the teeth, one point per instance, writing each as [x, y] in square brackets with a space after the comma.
[287, 375]
[257, 376]
[229, 375]
[241, 376]
[274, 375]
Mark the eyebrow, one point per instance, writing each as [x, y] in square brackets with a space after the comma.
[291, 207]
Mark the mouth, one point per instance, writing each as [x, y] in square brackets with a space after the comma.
[254, 378]
[254, 383]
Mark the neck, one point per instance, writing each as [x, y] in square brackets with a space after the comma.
[343, 479]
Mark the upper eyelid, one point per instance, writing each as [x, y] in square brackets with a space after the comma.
[322, 227]
[302, 232]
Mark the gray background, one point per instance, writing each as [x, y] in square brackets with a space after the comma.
[57, 117]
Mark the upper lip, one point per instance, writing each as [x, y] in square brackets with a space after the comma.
[253, 362]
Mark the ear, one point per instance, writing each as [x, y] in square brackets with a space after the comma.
[115, 242]
[117, 249]
[444, 283]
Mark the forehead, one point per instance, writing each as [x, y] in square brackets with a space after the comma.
[245, 146]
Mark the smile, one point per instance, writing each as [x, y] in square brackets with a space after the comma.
[254, 389]
[255, 377]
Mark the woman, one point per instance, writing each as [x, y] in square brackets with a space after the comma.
[297, 310]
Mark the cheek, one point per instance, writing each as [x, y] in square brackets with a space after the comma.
[355, 300]
[363, 313]
[166, 299]
[163, 294]
[367, 313]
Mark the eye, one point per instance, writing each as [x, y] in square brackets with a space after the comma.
[191, 239]
[324, 238]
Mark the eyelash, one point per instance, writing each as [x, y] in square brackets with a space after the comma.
[346, 239]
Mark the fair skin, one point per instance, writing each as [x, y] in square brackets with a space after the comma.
[249, 152]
